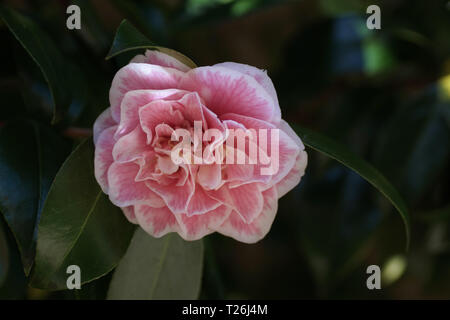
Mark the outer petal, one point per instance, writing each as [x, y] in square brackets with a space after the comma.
[103, 157]
[236, 228]
[247, 122]
[176, 197]
[246, 200]
[288, 147]
[125, 191]
[161, 59]
[135, 76]
[103, 121]
[294, 176]
[291, 133]
[129, 214]
[201, 202]
[287, 155]
[260, 76]
[197, 226]
[156, 221]
[225, 90]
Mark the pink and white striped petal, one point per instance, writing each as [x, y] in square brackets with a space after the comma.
[228, 91]
[247, 122]
[209, 176]
[260, 76]
[103, 122]
[103, 157]
[246, 200]
[125, 191]
[238, 229]
[200, 202]
[136, 76]
[288, 151]
[198, 226]
[156, 221]
[294, 176]
[129, 214]
[192, 108]
[133, 100]
[158, 112]
[176, 197]
[131, 146]
[283, 125]
[147, 166]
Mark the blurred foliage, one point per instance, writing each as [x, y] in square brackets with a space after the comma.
[385, 94]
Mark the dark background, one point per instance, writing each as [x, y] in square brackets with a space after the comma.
[385, 94]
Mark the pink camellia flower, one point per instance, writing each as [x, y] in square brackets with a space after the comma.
[154, 96]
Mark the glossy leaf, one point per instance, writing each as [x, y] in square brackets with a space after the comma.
[68, 91]
[12, 278]
[164, 268]
[129, 38]
[43, 52]
[338, 152]
[30, 156]
[147, 16]
[79, 225]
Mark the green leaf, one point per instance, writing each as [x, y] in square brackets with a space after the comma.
[13, 282]
[66, 88]
[79, 225]
[338, 152]
[129, 38]
[164, 268]
[30, 156]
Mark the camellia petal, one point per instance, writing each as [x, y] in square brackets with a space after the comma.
[103, 122]
[156, 221]
[176, 197]
[158, 112]
[198, 226]
[125, 191]
[238, 229]
[129, 214]
[293, 177]
[133, 100]
[200, 202]
[260, 76]
[103, 156]
[135, 76]
[131, 146]
[228, 91]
